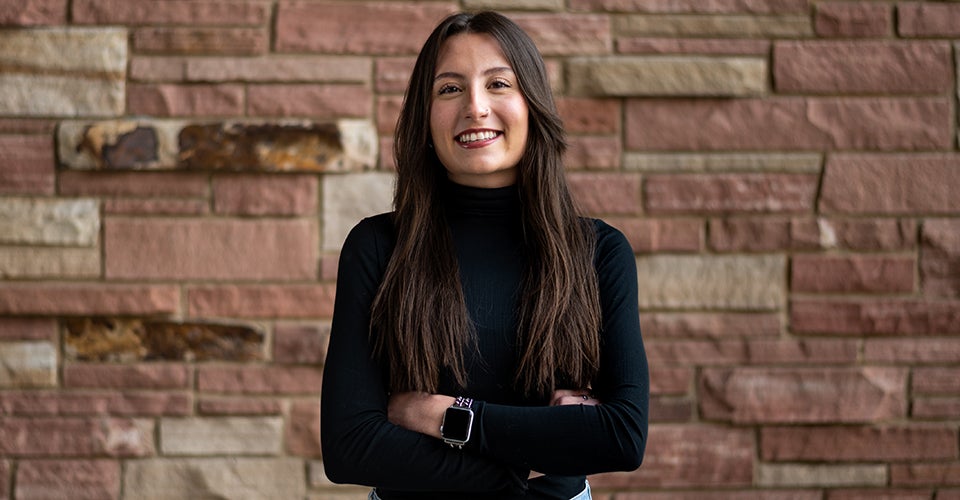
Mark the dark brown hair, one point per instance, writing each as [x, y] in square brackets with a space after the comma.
[419, 319]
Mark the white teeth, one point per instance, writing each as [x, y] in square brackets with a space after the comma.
[477, 136]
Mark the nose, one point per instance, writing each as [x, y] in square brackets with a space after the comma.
[477, 106]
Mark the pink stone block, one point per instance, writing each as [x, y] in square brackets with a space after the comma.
[87, 299]
[852, 274]
[286, 195]
[263, 301]
[75, 479]
[140, 376]
[26, 164]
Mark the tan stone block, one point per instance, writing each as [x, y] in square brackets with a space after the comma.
[724, 282]
[667, 76]
[799, 163]
[63, 72]
[27, 364]
[715, 25]
[49, 222]
[837, 476]
[158, 68]
[221, 435]
[341, 69]
[349, 198]
[195, 40]
[236, 478]
[261, 380]
[45, 262]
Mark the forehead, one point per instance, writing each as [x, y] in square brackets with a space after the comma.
[470, 51]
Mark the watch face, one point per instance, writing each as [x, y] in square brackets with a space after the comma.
[456, 424]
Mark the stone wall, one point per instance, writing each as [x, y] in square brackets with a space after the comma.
[176, 178]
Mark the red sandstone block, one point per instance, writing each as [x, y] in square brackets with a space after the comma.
[134, 184]
[5, 471]
[568, 34]
[26, 164]
[326, 101]
[260, 379]
[300, 343]
[857, 444]
[914, 351]
[592, 152]
[185, 100]
[590, 116]
[128, 206]
[243, 194]
[698, 352]
[134, 12]
[76, 437]
[875, 317]
[722, 193]
[891, 184]
[940, 258]
[27, 126]
[753, 234]
[942, 474]
[929, 19]
[752, 494]
[302, 436]
[27, 329]
[790, 123]
[852, 274]
[32, 13]
[803, 395]
[74, 479]
[870, 234]
[863, 67]
[216, 249]
[693, 6]
[393, 74]
[239, 406]
[660, 235]
[329, 265]
[675, 326]
[140, 376]
[689, 456]
[262, 301]
[665, 379]
[387, 161]
[787, 351]
[670, 409]
[44, 299]
[879, 494]
[935, 408]
[714, 46]
[219, 41]
[936, 381]
[81, 403]
[617, 194]
[388, 111]
[853, 19]
[387, 28]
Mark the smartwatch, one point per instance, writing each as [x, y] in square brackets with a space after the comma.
[457, 423]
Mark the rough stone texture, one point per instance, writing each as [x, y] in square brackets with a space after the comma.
[223, 435]
[278, 69]
[96, 403]
[724, 282]
[862, 67]
[116, 376]
[27, 364]
[169, 12]
[185, 100]
[260, 195]
[935, 408]
[303, 429]
[75, 479]
[875, 317]
[567, 34]
[237, 478]
[803, 395]
[799, 163]
[925, 474]
[852, 274]
[593, 153]
[705, 46]
[766, 234]
[786, 26]
[32, 13]
[940, 258]
[606, 194]
[689, 456]
[273, 380]
[723, 193]
[64, 222]
[239, 406]
[40, 262]
[554, 5]
[137, 185]
[936, 381]
[710, 325]
[925, 19]
[53, 299]
[365, 27]
[853, 19]
[583, 115]
[349, 198]
[648, 235]
[234, 145]
[908, 350]
[670, 380]
[5, 479]
[263, 301]
[666, 76]
[393, 73]
[76, 437]
[318, 101]
[790, 123]
[299, 343]
[120, 339]
[63, 72]
[694, 6]
[26, 164]
[853, 444]
[869, 234]
[210, 249]
[838, 476]
[27, 328]
[155, 207]
[190, 40]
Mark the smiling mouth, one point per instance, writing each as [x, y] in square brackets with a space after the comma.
[471, 137]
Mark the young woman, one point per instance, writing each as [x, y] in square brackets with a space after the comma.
[485, 339]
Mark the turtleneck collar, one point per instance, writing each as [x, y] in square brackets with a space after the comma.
[470, 200]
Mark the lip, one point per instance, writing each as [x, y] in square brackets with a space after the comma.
[477, 143]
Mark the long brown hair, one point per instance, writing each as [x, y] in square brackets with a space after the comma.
[419, 319]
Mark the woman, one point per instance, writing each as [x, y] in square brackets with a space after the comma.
[485, 339]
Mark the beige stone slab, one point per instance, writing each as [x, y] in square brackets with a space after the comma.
[214, 436]
[740, 26]
[805, 163]
[66, 222]
[803, 475]
[723, 282]
[349, 198]
[43, 95]
[44, 262]
[28, 364]
[235, 478]
[667, 76]
[66, 49]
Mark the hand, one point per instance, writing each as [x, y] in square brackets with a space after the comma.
[418, 411]
[573, 397]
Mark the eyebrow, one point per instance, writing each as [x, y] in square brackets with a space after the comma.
[455, 75]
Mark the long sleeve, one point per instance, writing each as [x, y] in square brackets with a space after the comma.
[359, 444]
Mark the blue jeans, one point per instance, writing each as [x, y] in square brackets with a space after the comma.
[583, 495]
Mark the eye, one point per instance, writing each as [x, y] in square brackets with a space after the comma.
[500, 84]
[448, 88]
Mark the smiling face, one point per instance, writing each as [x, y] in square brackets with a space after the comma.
[478, 116]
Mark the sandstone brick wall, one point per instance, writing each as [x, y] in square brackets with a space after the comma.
[176, 178]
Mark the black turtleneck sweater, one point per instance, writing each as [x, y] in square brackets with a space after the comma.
[511, 433]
